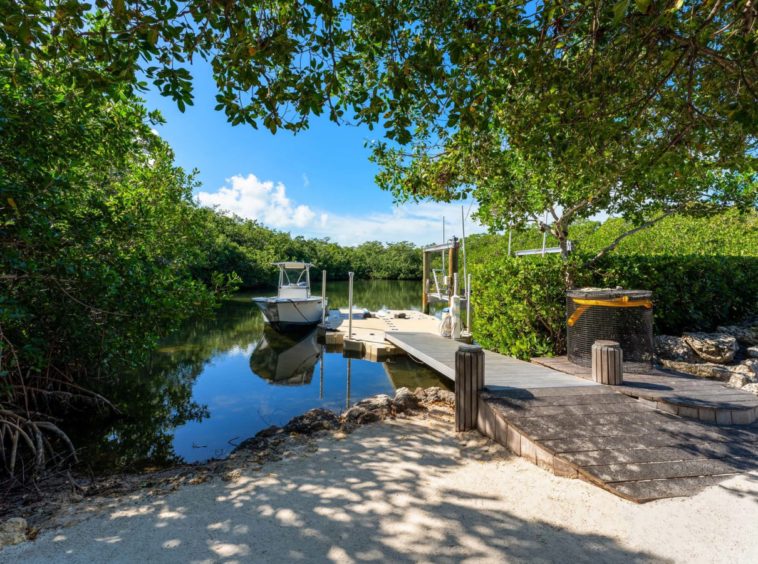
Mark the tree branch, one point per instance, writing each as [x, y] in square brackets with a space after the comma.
[615, 243]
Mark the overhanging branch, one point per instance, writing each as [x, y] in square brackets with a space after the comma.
[618, 239]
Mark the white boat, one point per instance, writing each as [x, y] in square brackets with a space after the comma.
[293, 308]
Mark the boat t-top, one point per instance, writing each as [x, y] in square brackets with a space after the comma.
[293, 308]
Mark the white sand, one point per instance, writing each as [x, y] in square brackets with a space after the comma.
[405, 491]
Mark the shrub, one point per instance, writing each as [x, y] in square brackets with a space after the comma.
[519, 304]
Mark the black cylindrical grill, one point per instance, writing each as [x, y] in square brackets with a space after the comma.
[624, 316]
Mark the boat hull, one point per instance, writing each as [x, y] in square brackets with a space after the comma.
[290, 315]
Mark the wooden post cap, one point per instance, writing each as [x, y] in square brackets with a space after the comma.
[470, 348]
[607, 363]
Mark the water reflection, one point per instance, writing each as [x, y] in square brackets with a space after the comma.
[220, 380]
[286, 360]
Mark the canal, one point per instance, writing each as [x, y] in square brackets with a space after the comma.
[218, 381]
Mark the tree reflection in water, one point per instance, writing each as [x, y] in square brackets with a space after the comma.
[226, 377]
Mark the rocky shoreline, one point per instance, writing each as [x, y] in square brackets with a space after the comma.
[57, 500]
[729, 355]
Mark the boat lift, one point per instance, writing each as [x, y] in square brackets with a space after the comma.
[437, 283]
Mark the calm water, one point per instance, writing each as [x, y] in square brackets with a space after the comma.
[220, 381]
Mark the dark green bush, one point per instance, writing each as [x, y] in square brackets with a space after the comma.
[690, 292]
[519, 304]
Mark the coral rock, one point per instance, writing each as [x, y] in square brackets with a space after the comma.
[13, 531]
[744, 335]
[673, 348]
[312, 421]
[712, 347]
[704, 370]
[405, 401]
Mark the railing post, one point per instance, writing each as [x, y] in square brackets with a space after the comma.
[469, 380]
[607, 363]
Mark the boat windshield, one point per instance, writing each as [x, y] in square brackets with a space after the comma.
[300, 276]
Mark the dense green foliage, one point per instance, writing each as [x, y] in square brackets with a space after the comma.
[702, 271]
[520, 303]
[729, 234]
[247, 248]
[640, 109]
[97, 241]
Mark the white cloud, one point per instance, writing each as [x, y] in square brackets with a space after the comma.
[249, 197]
[155, 132]
[305, 180]
[418, 223]
[268, 203]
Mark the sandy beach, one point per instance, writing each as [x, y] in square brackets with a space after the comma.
[402, 490]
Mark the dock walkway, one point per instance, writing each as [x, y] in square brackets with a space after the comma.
[579, 429]
[500, 372]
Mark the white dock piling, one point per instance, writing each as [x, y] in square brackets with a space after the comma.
[350, 307]
[468, 304]
[323, 296]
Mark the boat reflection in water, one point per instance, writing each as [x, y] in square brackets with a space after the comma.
[286, 359]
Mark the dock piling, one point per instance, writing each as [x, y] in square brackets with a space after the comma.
[468, 303]
[350, 307]
[323, 296]
[469, 380]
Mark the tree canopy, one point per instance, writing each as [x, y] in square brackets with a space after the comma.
[639, 108]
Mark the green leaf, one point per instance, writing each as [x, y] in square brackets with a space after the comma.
[644, 5]
[619, 11]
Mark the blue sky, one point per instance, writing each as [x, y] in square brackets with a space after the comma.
[318, 183]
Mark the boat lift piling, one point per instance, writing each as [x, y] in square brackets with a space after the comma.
[350, 307]
[323, 296]
[443, 288]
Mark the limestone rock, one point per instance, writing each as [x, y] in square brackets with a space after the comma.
[744, 335]
[232, 476]
[358, 415]
[270, 432]
[405, 401]
[752, 388]
[741, 379]
[311, 421]
[704, 370]
[752, 352]
[673, 348]
[252, 444]
[752, 365]
[382, 402]
[712, 347]
[369, 410]
[437, 395]
[13, 531]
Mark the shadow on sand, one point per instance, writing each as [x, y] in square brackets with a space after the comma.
[387, 497]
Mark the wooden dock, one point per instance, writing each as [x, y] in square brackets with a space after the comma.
[501, 372]
[681, 394]
[604, 435]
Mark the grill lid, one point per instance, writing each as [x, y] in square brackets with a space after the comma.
[609, 294]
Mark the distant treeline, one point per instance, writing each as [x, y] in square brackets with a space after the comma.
[725, 234]
[247, 247]
[234, 244]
